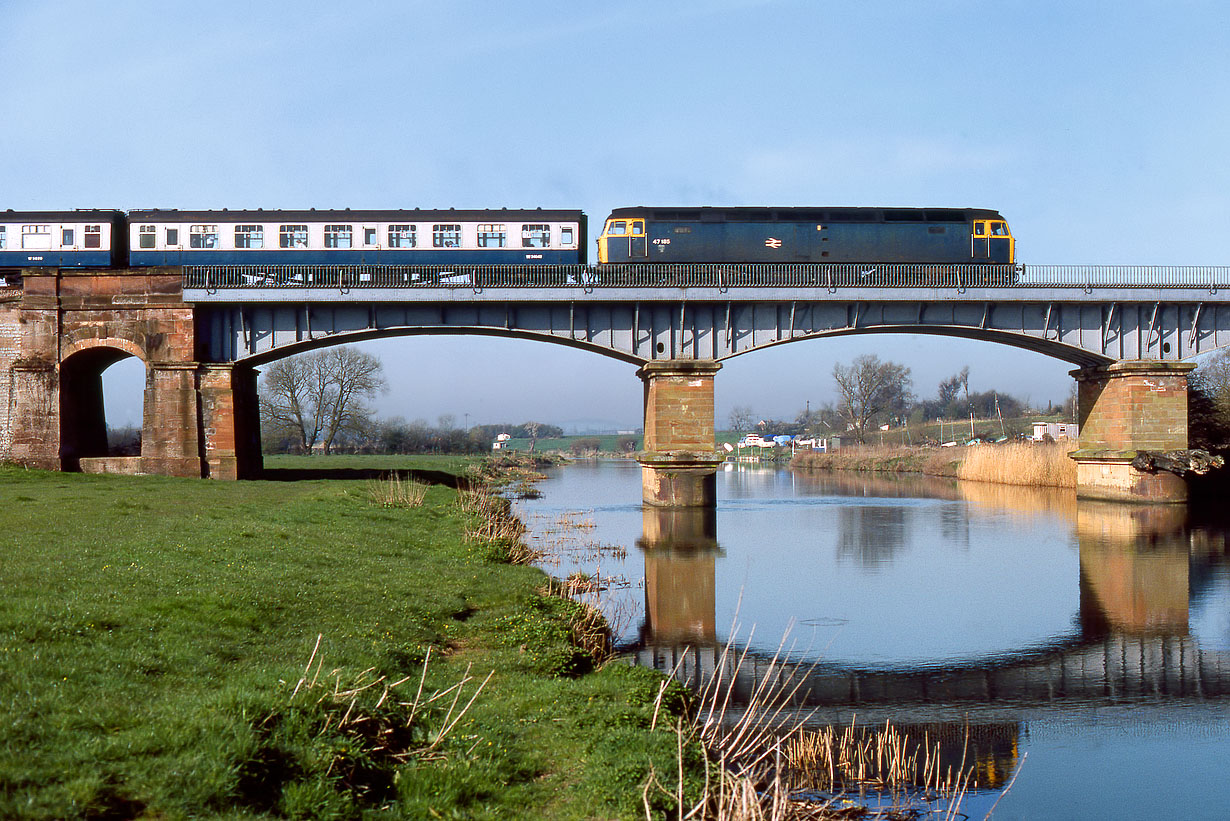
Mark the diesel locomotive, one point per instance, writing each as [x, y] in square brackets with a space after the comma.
[805, 235]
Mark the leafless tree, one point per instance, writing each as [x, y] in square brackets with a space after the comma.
[870, 389]
[313, 397]
[741, 418]
[532, 429]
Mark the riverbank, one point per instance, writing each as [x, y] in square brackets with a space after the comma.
[1013, 463]
[175, 648]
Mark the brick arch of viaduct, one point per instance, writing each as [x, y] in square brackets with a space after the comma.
[201, 417]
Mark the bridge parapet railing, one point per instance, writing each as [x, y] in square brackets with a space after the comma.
[827, 276]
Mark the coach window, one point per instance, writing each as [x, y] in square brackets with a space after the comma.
[339, 236]
[369, 236]
[446, 236]
[494, 235]
[565, 235]
[535, 236]
[66, 237]
[402, 236]
[36, 237]
[93, 236]
[293, 236]
[203, 236]
[146, 236]
[249, 236]
[172, 237]
[3, 237]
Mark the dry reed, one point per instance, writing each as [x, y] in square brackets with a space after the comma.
[393, 492]
[496, 526]
[1020, 463]
[378, 726]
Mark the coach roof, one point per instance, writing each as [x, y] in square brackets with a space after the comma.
[346, 215]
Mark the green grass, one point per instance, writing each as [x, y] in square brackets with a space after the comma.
[153, 631]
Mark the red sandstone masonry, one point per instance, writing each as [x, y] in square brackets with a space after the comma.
[59, 315]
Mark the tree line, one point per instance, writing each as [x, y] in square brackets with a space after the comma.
[320, 402]
[872, 392]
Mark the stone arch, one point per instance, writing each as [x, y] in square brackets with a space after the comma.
[83, 424]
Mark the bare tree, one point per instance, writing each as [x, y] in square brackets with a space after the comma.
[532, 429]
[316, 396]
[870, 389]
[741, 418]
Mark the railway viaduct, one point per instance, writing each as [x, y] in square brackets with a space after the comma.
[203, 332]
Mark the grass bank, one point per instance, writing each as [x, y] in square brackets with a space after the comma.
[179, 648]
[1015, 463]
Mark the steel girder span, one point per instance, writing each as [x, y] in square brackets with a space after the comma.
[1081, 332]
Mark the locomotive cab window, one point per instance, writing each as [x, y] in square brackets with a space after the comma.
[93, 236]
[999, 229]
[617, 228]
[147, 236]
[535, 236]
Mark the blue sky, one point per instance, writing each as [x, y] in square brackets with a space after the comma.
[1100, 130]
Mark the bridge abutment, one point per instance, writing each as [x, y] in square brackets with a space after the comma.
[680, 459]
[1124, 408]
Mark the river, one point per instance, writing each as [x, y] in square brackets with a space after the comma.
[1084, 644]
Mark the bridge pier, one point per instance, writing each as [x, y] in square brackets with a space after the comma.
[230, 423]
[680, 459]
[1124, 408]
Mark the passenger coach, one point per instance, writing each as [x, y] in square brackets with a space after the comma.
[805, 235]
[61, 239]
[412, 237]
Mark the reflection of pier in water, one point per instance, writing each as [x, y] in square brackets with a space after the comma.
[1137, 568]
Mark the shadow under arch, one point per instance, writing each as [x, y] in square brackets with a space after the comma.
[366, 335]
[83, 421]
[1046, 347]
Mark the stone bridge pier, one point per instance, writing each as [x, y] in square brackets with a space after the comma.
[1124, 408]
[680, 460]
[65, 328]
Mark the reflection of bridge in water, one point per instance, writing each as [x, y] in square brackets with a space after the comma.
[1139, 566]
[1131, 648]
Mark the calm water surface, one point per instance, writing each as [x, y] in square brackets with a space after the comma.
[1086, 643]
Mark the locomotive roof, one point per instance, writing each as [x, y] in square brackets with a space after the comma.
[710, 213]
[80, 215]
[314, 215]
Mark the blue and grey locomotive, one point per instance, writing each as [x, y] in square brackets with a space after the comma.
[805, 235]
[62, 239]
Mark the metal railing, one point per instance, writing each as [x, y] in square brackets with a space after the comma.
[825, 276]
